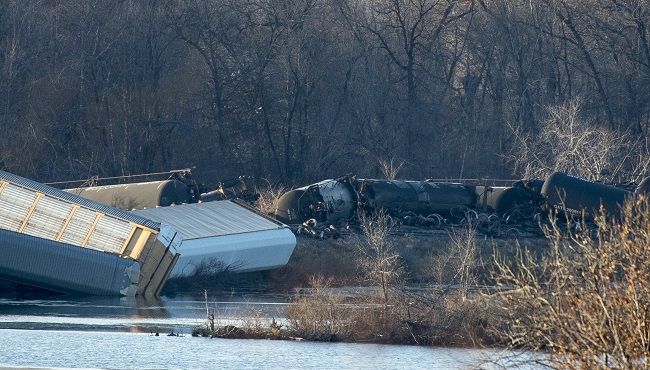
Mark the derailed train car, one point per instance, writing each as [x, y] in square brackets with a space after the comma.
[575, 196]
[327, 201]
[416, 202]
[418, 197]
[59, 241]
[331, 201]
[141, 195]
[216, 231]
[181, 188]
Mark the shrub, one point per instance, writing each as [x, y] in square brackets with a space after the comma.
[268, 198]
[586, 301]
[319, 314]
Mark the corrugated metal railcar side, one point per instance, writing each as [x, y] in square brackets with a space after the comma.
[65, 268]
[34, 209]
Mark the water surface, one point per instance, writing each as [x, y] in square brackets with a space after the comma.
[119, 333]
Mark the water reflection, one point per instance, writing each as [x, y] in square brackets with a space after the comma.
[178, 314]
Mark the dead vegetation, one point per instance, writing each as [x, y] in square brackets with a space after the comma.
[268, 197]
[254, 326]
[439, 307]
[378, 288]
[587, 300]
[320, 314]
[385, 288]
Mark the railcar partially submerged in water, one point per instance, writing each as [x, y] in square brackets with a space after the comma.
[63, 242]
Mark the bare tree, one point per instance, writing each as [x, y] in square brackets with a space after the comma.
[389, 168]
[211, 28]
[570, 142]
[380, 262]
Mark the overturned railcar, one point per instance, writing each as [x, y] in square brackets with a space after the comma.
[419, 197]
[518, 200]
[327, 201]
[60, 241]
[139, 195]
[331, 201]
[418, 201]
[225, 234]
[580, 197]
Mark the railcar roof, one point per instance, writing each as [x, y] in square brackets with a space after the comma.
[209, 219]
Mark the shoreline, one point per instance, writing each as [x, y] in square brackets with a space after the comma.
[337, 263]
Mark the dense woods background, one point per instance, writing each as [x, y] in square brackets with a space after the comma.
[301, 90]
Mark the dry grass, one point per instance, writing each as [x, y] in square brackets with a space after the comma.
[329, 258]
[437, 299]
[446, 309]
[320, 314]
[587, 300]
[325, 314]
[268, 198]
[253, 325]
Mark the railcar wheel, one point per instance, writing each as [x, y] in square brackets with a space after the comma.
[457, 214]
[436, 219]
[494, 222]
[513, 233]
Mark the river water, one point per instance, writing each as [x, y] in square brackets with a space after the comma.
[120, 333]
